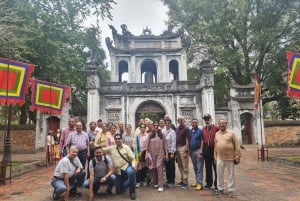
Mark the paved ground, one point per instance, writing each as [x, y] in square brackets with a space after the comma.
[256, 180]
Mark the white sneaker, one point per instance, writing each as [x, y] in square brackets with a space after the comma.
[156, 186]
[138, 185]
[160, 189]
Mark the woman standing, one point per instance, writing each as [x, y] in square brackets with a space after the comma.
[140, 146]
[171, 143]
[157, 148]
[104, 138]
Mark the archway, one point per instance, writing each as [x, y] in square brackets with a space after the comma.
[150, 109]
[149, 72]
[247, 128]
[123, 71]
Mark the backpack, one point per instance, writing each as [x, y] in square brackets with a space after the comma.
[94, 164]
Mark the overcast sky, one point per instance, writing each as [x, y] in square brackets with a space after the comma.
[136, 14]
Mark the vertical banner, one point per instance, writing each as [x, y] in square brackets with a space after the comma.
[257, 92]
[14, 78]
[293, 74]
[48, 97]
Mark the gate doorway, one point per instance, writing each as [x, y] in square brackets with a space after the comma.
[247, 128]
[150, 109]
[53, 123]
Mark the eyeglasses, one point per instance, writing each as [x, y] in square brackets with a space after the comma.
[117, 138]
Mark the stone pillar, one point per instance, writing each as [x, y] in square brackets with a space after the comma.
[182, 67]
[93, 94]
[207, 91]
[164, 73]
[132, 71]
[114, 75]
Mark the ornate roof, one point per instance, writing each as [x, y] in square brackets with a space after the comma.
[146, 35]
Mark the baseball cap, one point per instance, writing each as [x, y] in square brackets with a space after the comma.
[207, 116]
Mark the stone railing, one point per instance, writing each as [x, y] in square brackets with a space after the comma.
[132, 88]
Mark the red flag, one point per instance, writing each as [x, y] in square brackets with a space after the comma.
[293, 74]
[48, 97]
[14, 77]
[257, 92]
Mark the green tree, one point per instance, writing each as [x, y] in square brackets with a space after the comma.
[243, 37]
[53, 38]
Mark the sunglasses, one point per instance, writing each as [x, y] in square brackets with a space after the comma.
[143, 127]
[118, 138]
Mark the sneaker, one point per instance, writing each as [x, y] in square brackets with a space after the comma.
[184, 185]
[231, 194]
[75, 192]
[160, 189]
[194, 185]
[218, 192]
[207, 186]
[216, 188]
[132, 196]
[198, 187]
[170, 185]
[109, 192]
[54, 195]
[138, 185]
[156, 185]
[179, 184]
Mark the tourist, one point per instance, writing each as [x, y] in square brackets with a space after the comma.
[209, 131]
[80, 139]
[128, 136]
[167, 117]
[68, 175]
[158, 152]
[227, 154]
[123, 160]
[104, 138]
[56, 145]
[182, 151]
[140, 146]
[50, 146]
[64, 136]
[113, 132]
[161, 124]
[196, 153]
[99, 125]
[171, 143]
[137, 130]
[101, 172]
[92, 135]
[121, 129]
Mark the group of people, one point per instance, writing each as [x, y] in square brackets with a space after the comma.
[115, 155]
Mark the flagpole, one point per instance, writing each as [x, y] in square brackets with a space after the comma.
[261, 125]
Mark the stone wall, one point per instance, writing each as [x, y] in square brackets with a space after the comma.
[23, 141]
[282, 133]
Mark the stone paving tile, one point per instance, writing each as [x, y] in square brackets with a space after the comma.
[256, 181]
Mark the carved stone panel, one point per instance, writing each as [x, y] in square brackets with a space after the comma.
[188, 114]
[113, 116]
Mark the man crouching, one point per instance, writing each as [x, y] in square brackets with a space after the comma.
[101, 171]
[68, 174]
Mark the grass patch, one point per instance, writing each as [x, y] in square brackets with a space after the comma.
[293, 158]
[15, 165]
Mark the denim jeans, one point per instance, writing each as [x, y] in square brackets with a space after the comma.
[197, 165]
[126, 179]
[111, 180]
[60, 186]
